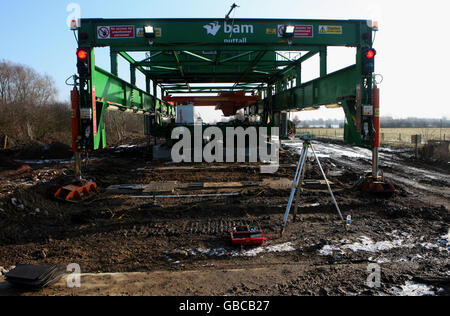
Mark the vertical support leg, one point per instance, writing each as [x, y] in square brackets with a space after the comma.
[328, 184]
[300, 165]
[377, 128]
[77, 165]
[75, 100]
[297, 196]
[375, 163]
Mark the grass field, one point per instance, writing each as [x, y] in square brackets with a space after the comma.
[388, 135]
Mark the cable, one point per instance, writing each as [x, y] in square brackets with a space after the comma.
[74, 77]
[75, 35]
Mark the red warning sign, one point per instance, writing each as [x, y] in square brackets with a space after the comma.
[115, 32]
[303, 31]
[122, 31]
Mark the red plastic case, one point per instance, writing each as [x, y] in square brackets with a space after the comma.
[247, 236]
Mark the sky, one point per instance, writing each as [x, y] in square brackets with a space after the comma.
[412, 42]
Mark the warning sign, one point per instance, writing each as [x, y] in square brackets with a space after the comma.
[330, 29]
[103, 32]
[305, 31]
[115, 32]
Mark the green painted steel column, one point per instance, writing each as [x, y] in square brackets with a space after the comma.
[147, 84]
[299, 75]
[114, 67]
[351, 135]
[323, 62]
[133, 75]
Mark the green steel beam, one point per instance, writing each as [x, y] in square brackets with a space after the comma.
[156, 54]
[197, 56]
[115, 91]
[250, 67]
[241, 33]
[132, 62]
[180, 67]
[236, 57]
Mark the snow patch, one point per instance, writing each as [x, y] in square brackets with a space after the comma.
[367, 244]
[414, 289]
[286, 247]
[220, 252]
[328, 250]
[364, 244]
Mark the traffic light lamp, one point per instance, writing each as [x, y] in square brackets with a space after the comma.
[83, 61]
[368, 58]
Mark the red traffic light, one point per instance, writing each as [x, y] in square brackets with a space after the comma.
[82, 54]
[371, 53]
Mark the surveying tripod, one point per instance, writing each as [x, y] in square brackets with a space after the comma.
[298, 180]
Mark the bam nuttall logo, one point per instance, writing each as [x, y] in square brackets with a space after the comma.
[212, 28]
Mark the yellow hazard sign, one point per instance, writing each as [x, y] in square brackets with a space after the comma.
[330, 29]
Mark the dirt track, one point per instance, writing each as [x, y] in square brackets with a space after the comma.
[407, 235]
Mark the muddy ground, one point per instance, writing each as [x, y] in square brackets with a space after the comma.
[181, 246]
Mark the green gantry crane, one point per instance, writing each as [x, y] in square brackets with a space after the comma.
[186, 56]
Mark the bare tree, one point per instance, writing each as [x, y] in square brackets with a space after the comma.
[27, 105]
[22, 84]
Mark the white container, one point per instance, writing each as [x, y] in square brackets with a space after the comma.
[186, 114]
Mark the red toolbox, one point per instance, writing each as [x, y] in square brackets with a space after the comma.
[246, 235]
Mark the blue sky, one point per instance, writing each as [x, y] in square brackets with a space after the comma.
[35, 33]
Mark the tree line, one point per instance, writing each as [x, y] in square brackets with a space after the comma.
[30, 112]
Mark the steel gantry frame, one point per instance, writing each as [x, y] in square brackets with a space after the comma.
[196, 56]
